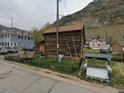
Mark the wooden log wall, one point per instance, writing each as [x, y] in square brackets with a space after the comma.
[68, 42]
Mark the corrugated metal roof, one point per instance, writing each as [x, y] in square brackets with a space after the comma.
[72, 27]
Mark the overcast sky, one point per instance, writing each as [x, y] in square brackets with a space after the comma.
[35, 13]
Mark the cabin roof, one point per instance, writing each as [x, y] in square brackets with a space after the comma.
[68, 28]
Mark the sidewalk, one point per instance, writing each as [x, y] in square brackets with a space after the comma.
[64, 78]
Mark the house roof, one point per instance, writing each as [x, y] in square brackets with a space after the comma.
[13, 33]
[121, 42]
[72, 27]
[101, 39]
[4, 29]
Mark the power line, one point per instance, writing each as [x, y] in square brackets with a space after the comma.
[62, 9]
[63, 6]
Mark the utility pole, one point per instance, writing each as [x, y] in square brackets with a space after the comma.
[11, 22]
[57, 32]
[106, 37]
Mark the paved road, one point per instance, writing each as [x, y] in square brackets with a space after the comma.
[17, 80]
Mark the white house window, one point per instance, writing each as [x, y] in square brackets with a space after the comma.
[29, 38]
[11, 44]
[2, 36]
[5, 36]
[21, 37]
[2, 44]
[25, 37]
[8, 44]
[8, 35]
[15, 44]
[5, 44]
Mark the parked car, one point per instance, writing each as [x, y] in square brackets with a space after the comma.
[4, 50]
[14, 50]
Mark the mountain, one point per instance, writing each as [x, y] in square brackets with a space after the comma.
[98, 13]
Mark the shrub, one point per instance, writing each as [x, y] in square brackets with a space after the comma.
[65, 66]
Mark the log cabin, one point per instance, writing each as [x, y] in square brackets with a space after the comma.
[71, 39]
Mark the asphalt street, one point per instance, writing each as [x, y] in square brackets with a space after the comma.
[17, 80]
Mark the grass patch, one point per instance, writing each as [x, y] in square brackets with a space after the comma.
[97, 63]
[118, 73]
[95, 51]
[72, 68]
[92, 51]
[118, 55]
[66, 66]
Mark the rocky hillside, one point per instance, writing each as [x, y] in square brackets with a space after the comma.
[98, 13]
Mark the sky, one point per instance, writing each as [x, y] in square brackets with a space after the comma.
[27, 14]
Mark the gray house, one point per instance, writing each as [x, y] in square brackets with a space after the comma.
[13, 37]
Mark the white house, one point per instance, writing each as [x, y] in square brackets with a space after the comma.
[98, 44]
[13, 37]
